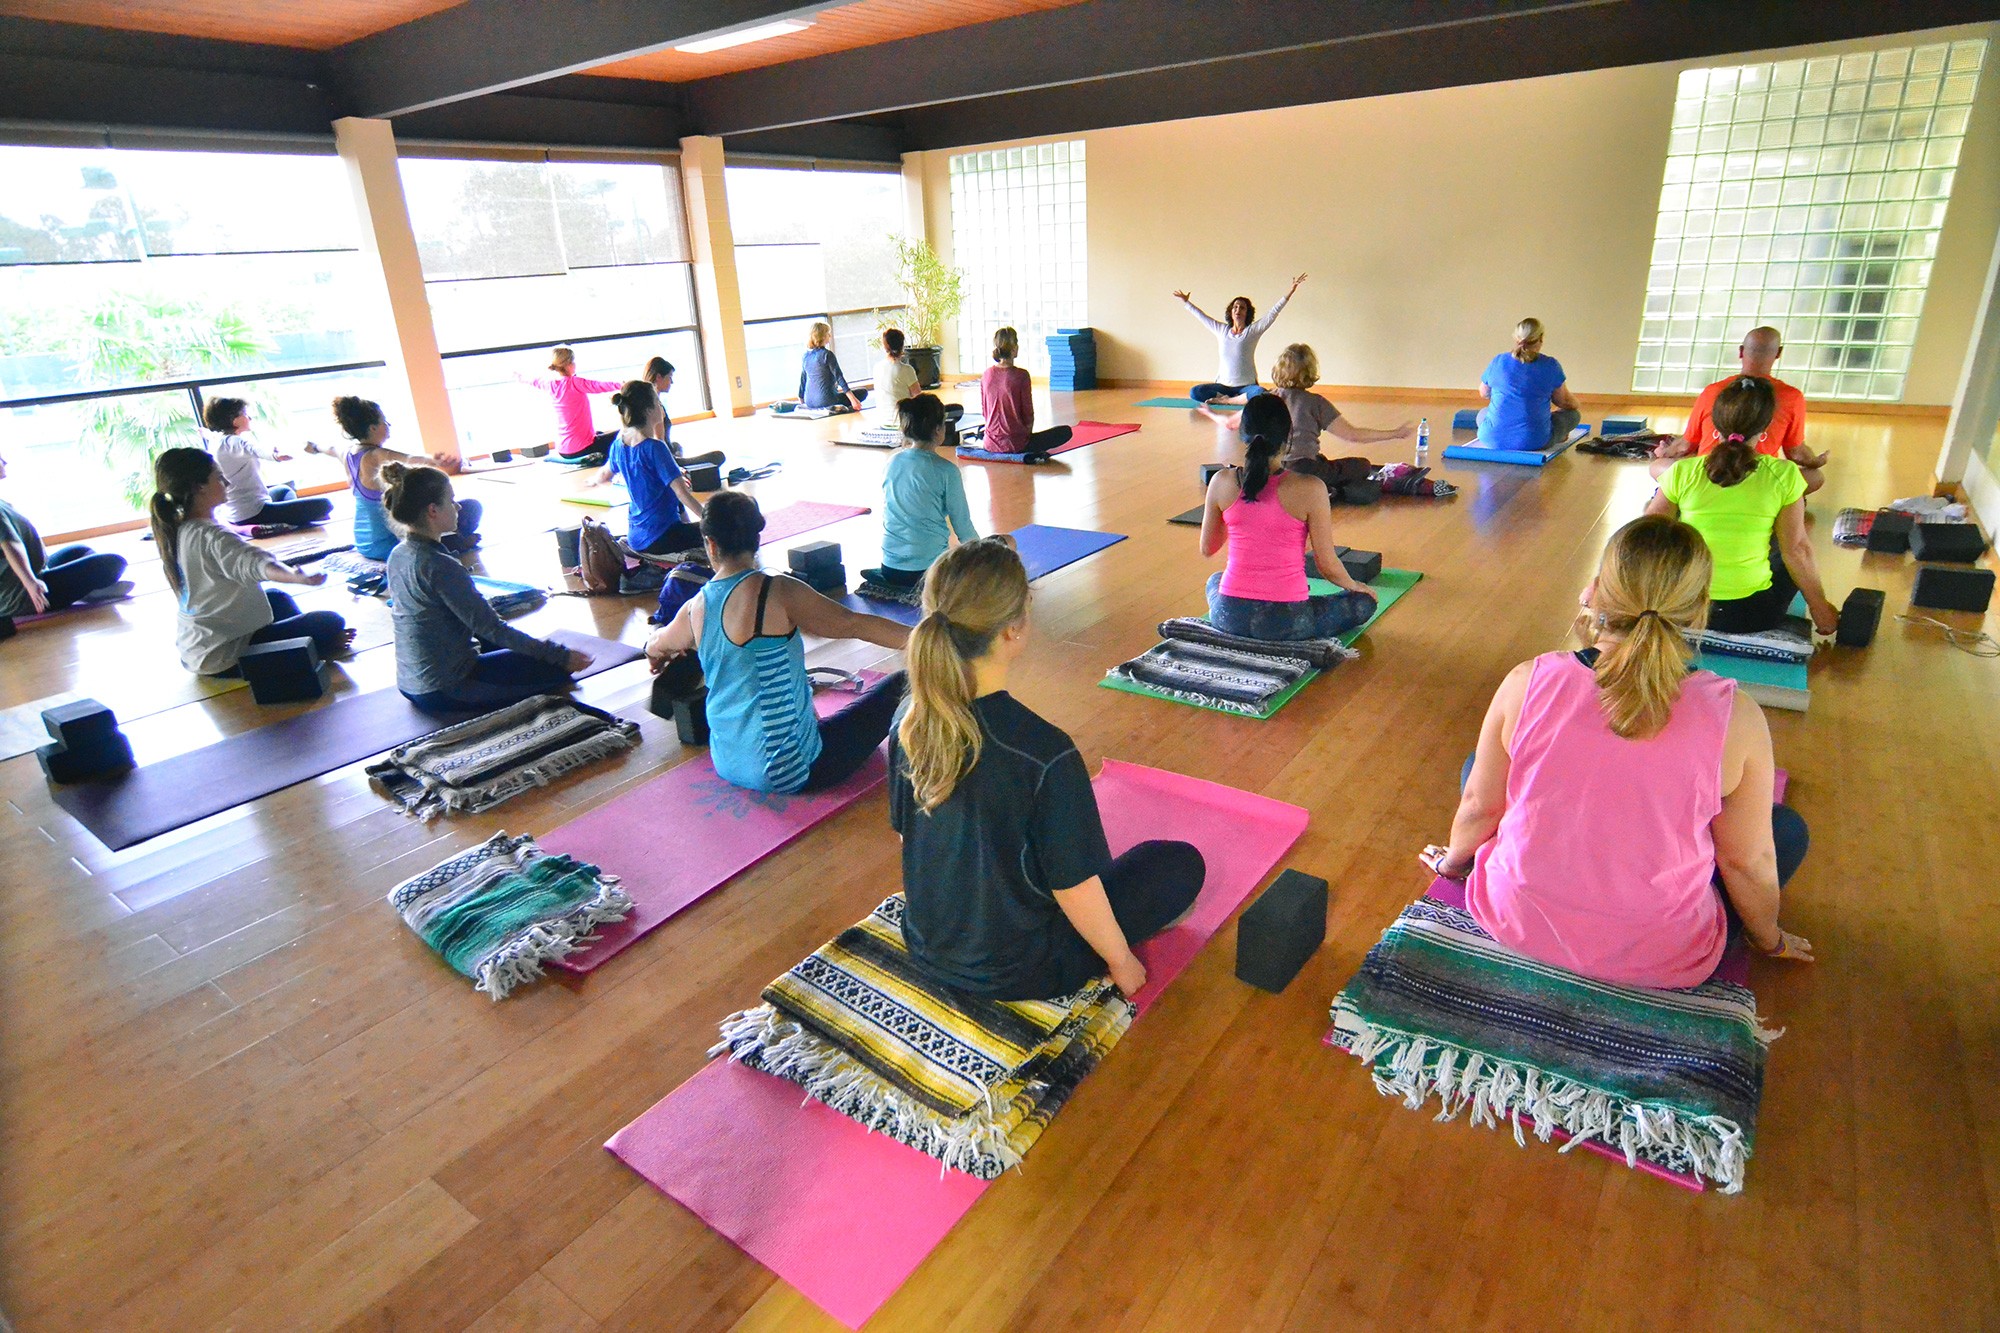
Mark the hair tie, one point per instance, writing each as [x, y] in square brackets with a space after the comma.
[1649, 611]
[1735, 439]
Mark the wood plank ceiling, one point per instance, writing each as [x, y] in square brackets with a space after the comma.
[317, 25]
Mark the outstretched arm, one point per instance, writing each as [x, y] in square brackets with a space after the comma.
[1214, 324]
[1353, 434]
[1271, 315]
[816, 614]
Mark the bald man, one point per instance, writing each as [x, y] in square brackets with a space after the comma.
[1786, 437]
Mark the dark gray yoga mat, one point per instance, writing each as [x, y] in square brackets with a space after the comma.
[158, 798]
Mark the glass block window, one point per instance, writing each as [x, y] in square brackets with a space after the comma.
[1808, 195]
[1017, 230]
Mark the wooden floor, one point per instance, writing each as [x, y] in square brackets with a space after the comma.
[238, 1094]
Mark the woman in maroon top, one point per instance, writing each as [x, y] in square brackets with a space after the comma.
[1006, 394]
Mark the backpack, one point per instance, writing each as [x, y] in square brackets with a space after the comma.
[601, 567]
[682, 584]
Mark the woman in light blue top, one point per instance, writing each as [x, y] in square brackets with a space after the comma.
[1529, 406]
[744, 631]
[923, 497]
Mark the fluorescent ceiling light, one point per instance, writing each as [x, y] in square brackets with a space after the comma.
[743, 36]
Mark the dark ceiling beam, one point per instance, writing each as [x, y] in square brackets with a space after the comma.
[490, 46]
[571, 112]
[1524, 45]
[838, 141]
[1076, 45]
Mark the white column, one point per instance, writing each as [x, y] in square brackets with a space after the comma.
[1975, 408]
[368, 147]
[718, 303]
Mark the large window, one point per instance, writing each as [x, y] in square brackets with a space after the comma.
[133, 283]
[1017, 229]
[813, 245]
[520, 256]
[1806, 194]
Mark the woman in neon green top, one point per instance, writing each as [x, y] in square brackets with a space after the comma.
[1750, 508]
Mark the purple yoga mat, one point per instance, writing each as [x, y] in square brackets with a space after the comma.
[845, 1215]
[163, 796]
[1043, 550]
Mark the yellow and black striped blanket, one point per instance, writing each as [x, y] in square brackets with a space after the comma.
[970, 1081]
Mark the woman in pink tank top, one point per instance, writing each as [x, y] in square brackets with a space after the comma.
[1612, 788]
[1266, 518]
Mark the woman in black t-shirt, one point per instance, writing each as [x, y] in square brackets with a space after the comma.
[1012, 889]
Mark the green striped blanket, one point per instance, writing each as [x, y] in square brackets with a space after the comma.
[1668, 1078]
[498, 911]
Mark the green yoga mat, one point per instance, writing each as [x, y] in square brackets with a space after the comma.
[1188, 403]
[1388, 588]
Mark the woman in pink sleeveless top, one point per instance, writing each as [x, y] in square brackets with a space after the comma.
[1612, 788]
[1266, 517]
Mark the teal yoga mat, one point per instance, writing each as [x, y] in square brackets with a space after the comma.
[1188, 403]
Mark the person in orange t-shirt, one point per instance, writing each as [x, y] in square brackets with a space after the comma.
[1786, 437]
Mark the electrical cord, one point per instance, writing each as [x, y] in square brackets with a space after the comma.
[1976, 642]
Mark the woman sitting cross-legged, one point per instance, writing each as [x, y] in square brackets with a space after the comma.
[246, 499]
[821, 383]
[745, 631]
[442, 621]
[1266, 518]
[1011, 887]
[1529, 406]
[661, 496]
[218, 578]
[923, 497]
[33, 581]
[1614, 787]
[367, 430]
[1007, 397]
[1751, 510]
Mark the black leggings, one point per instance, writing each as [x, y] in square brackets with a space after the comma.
[1149, 888]
[848, 737]
[1760, 610]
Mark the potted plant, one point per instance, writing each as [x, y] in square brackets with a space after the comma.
[937, 293]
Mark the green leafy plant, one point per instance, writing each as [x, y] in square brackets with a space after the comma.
[936, 290]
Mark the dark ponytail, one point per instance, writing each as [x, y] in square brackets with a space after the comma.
[1741, 415]
[1266, 425]
[177, 475]
[636, 403]
[408, 489]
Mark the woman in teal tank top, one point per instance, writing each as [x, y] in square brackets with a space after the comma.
[744, 630]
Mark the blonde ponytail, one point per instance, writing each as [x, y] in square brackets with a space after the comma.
[1528, 339]
[973, 592]
[1652, 593]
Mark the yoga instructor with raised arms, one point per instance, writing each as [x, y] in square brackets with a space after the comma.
[1011, 887]
[1236, 344]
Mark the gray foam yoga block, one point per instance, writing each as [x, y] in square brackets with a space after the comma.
[80, 723]
[1957, 543]
[1890, 532]
[814, 556]
[1362, 566]
[1945, 589]
[1281, 930]
[284, 671]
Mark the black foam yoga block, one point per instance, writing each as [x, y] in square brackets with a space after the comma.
[814, 555]
[100, 757]
[691, 718]
[1860, 617]
[1281, 931]
[80, 722]
[1944, 589]
[1959, 543]
[704, 477]
[1362, 566]
[832, 582]
[1890, 532]
[284, 671]
[1208, 471]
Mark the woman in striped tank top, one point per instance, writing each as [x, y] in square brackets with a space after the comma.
[744, 629]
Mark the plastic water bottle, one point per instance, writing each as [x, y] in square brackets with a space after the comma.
[1424, 442]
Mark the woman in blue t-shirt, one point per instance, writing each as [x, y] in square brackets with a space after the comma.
[744, 630]
[661, 496]
[1529, 406]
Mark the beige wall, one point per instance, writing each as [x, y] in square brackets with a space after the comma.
[1430, 222]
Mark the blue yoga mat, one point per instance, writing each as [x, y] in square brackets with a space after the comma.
[1188, 403]
[1043, 550]
[1479, 453]
[163, 796]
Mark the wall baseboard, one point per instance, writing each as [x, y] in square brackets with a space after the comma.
[1470, 397]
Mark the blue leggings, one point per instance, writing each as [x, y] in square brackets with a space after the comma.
[75, 572]
[286, 507]
[1201, 393]
[1321, 616]
[498, 678]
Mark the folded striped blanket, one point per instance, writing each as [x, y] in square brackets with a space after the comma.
[1218, 677]
[1672, 1078]
[498, 911]
[475, 765]
[1321, 654]
[889, 592]
[969, 1081]
[1791, 641]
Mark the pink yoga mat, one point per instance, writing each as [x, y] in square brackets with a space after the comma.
[1082, 434]
[804, 516]
[846, 1215]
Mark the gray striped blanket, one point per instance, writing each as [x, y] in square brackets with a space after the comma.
[1225, 678]
[475, 765]
[1321, 654]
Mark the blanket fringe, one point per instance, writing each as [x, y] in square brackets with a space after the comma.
[520, 960]
[438, 800]
[1413, 1067]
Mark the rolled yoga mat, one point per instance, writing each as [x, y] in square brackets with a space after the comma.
[1479, 453]
[1187, 403]
[1082, 434]
[159, 797]
[845, 1215]
[717, 831]
[1043, 550]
